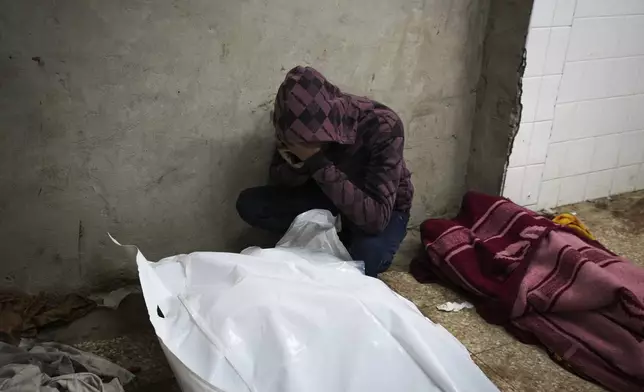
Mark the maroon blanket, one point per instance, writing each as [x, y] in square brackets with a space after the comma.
[545, 285]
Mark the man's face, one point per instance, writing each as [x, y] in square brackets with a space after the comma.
[287, 149]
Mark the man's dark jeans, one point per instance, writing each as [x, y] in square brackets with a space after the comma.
[273, 208]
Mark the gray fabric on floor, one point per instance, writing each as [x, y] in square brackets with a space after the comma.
[49, 367]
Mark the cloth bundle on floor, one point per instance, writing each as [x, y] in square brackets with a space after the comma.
[545, 284]
[23, 315]
[575, 224]
[53, 367]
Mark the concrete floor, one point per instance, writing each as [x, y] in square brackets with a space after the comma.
[126, 337]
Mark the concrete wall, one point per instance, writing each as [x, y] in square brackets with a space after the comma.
[582, 128]
[498, 107]
[146, 118]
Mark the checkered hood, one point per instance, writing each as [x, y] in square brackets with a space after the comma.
[366, 181]
[309, 109]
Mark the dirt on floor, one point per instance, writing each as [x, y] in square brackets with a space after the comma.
[126, 337]
[617, 222]
[629, 209]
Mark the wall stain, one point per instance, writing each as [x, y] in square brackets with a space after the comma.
[264, 106]
[225, 51]
[40, 61]
[159, 180]
[63, 81]
[81, 234]
[108, 210]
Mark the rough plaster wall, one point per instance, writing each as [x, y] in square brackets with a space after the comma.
[498, 104]
[146, 118]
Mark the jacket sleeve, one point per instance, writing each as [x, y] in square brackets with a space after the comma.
[370, 206]
[281, 173]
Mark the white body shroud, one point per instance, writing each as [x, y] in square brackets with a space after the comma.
[300, 317]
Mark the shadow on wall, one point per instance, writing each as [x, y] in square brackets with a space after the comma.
[194, 195]
[237, 164]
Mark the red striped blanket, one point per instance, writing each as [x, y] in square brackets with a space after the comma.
[547, 286]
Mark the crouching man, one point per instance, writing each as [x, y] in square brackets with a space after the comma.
[338, 152]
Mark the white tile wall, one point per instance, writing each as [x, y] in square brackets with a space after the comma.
[514, 184]
[556, 52]
[598, 38]
[549, 194]
[639, 183]
[582, 123]
[531, 184]
[599, 184]
[530, 98]
[542, 13]
[596, 118]
[624, 179]
[547, 98]
[569, 158]
[538, 147]
[536, 47]
[631, 148]
[605, 152]
[564, 12]
[578, 157]
[555, 160]
[519, 156]
[572, 189]
[586, 8]
[594, 79]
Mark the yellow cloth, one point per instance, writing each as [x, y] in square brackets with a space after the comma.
[575, 224]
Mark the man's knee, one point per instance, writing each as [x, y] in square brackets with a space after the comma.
[250, 204]
[375, 255]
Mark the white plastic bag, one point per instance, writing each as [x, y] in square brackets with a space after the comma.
[300, 317]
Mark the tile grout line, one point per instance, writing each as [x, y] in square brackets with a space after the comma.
[589, 172]
[606, 16]
[597, 99]
[492, 370]
[598, 136]
[619, 57]
[493, 348]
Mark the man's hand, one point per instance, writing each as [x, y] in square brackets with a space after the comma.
[302, 151]
[290, 158]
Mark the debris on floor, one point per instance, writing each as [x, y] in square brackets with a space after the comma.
[57, 367]
[627, 208]
[113, 299]
[23, 315]
[571, 221]
[454, 306]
